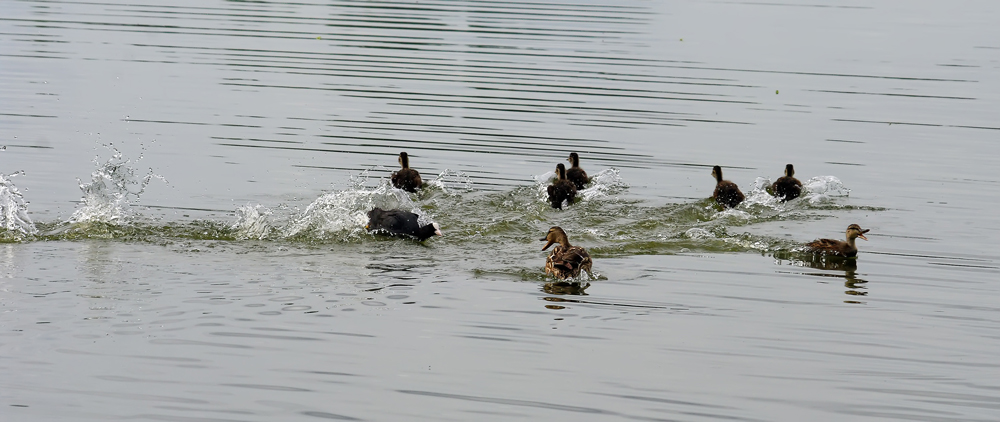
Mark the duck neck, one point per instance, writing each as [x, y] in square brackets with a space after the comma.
[404, 161]
[574, 162]
[565, 243]
[850, 242]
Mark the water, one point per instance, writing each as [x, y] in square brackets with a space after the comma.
[184, 186]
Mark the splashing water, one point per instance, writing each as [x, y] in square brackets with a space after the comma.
[13, 211]
[347, 210]
[759, 195]
[452, 182]
[604, 184]
[824, 188]
[114, 187]
[252, 222]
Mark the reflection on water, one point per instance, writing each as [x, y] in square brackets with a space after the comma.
[838, 267]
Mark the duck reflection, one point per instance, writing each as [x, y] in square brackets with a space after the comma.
[855, 286]
[835, 264]
[565, 288]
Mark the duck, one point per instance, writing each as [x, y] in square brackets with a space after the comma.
[576, 174]
[406, 178]
[787, 187]
[726, 193]
[837, 247]
[565, 260]
[562, 189]
[400, 223]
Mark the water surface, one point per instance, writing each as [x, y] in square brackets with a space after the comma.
[184, 188]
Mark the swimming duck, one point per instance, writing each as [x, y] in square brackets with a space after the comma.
[787, 187]
[565, 260]
[836, 247]
[576, 174]
[726, 193]
[400, 223]
[562, 189]
[406, 178]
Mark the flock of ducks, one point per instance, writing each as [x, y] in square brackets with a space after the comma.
[567, 261]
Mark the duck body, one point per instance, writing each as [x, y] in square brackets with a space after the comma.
[562, 189]
[406, 178]
[726, 193]
[787, 187]
[846, 249]
[576, 174]
[565, 260]
[400, 223]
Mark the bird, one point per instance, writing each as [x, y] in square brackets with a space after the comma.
[400, 223]
[406, 178]
[576, 174]
[837, 247]
[787, 187]
[726, 193]
[562, 189]
[565, 260]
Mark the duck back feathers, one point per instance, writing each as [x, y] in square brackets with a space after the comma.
[562, 189]
[838, 247]
[787, 187]
[406, 178]
[565, 260]
[726, 193]
[576, 174]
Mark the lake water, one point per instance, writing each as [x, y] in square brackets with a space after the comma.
[184, 186]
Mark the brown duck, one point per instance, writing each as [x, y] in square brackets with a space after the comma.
[565, 260]
[406, 178]
[837, 247]
[726, 193]
[562, 189]
[576, 174]
[787, 187]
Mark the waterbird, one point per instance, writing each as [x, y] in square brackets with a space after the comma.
[561, 189]
[837, 247]
[406, 178]
[565, 260]
[726, 193]
[787, 187]
[576, 174]
[400, 223]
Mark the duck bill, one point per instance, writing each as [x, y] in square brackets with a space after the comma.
[862, 235]
[547, 244]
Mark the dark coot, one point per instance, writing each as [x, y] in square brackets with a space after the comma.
[399, 223]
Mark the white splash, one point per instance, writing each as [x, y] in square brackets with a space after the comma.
[603, 184]
[252, 222]
[450, 182]
[347, 210]
[698, 233]
[13, 209]
[824, 188]
[758, 194]
[114, 187]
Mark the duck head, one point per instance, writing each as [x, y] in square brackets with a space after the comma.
[855, 231]
[404, 160]
[555, 235]
[561, 171]
[574, 159]
[789, 170]
[717, 173]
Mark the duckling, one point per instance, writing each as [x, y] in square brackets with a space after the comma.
[406, 178]
[576, 174]
[562, 189]
[836, 247]
[565, 260]
[726, 193]
[400, 223]
[787, 187]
